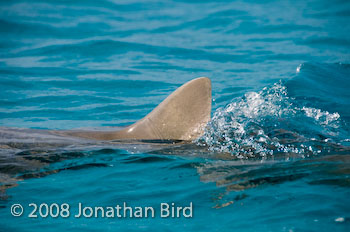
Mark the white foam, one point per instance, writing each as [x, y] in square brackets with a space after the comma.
[262, 122]
[324, 117]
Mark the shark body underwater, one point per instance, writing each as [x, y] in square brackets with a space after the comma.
[182, 116]
[173, 124]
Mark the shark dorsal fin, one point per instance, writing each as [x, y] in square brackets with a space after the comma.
[181, 116]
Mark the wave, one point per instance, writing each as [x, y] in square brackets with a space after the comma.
[272, 121]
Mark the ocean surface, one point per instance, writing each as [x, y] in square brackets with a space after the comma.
[274, 157]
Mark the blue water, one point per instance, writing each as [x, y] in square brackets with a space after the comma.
[275, 156]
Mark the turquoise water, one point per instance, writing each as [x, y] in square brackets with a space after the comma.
[275, 156]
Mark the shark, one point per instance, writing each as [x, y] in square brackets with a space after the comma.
[176, 121]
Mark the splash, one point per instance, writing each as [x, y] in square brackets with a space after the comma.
[324, 117]
[268, 122]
